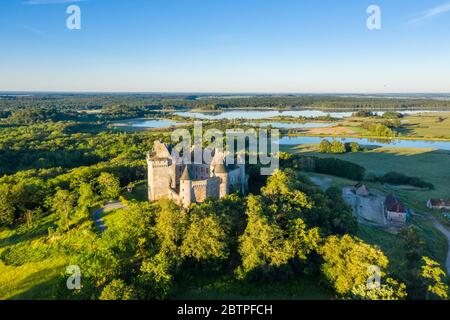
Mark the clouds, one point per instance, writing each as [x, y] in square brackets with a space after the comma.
[430, 13]
[37, 2]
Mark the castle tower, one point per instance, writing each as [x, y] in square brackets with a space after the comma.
[160, 172]
[159, 178]
[186, 193]
[221, 172]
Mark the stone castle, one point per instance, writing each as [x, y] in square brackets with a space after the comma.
[194, 182]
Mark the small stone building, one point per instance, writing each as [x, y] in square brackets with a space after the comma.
[169, 178]
[396, 212]
[360, 189]
[438, 204]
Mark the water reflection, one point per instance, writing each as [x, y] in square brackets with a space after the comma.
[259, 114]
[444, 145]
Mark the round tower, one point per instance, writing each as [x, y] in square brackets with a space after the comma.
[186, 188]
[221, 172]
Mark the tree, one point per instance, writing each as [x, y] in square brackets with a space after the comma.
[29, 218]
[340, 214]
[28, 193]
[283, 200]
[354, 147]
[156, 278]
[414, 245]
[117, 290]
[170, 228]
[63, 206]
[302, 240]
[324, 146]
[391, 290]
[433, 276]
[266, 244]
[262, 245]
[109, 186]
[87, 195]
[205, 238]
[337, 147]
[6, 207]
[347, 261]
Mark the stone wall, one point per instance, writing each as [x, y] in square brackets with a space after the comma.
[203, 189]
[158, 179]
[396, 217]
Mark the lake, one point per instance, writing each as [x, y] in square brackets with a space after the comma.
[290, 125]
[286, 140]
[147, 123]
[444, 145]
[258, 114]
[163, 123]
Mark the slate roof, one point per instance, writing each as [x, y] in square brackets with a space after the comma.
[186, 174]
[393, 204]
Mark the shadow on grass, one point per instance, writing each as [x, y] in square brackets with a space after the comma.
[33, 288]
[27, 235]
[206, 286]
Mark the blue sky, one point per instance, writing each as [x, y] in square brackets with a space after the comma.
[301, 46]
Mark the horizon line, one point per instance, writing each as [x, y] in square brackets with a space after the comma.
[220, 92]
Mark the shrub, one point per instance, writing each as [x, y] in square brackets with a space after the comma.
[340, 168]
[325, 146]
[363, 114]
[352, 147]
[337, 147]
[396, 178]
[334, 147]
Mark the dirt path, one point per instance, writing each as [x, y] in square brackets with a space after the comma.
[446, 232]
[97, 215]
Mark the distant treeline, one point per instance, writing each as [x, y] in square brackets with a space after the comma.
[386, 115]
[118, 106]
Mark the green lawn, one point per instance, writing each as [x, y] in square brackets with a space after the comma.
[33, 277]
[139, 192]
[32, 280]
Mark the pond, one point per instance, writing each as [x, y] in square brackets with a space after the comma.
[258, 114]
[444, 145]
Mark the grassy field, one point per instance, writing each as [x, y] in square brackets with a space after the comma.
[34, 278]
[426, 125]
[139, 192]
[430, 165]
